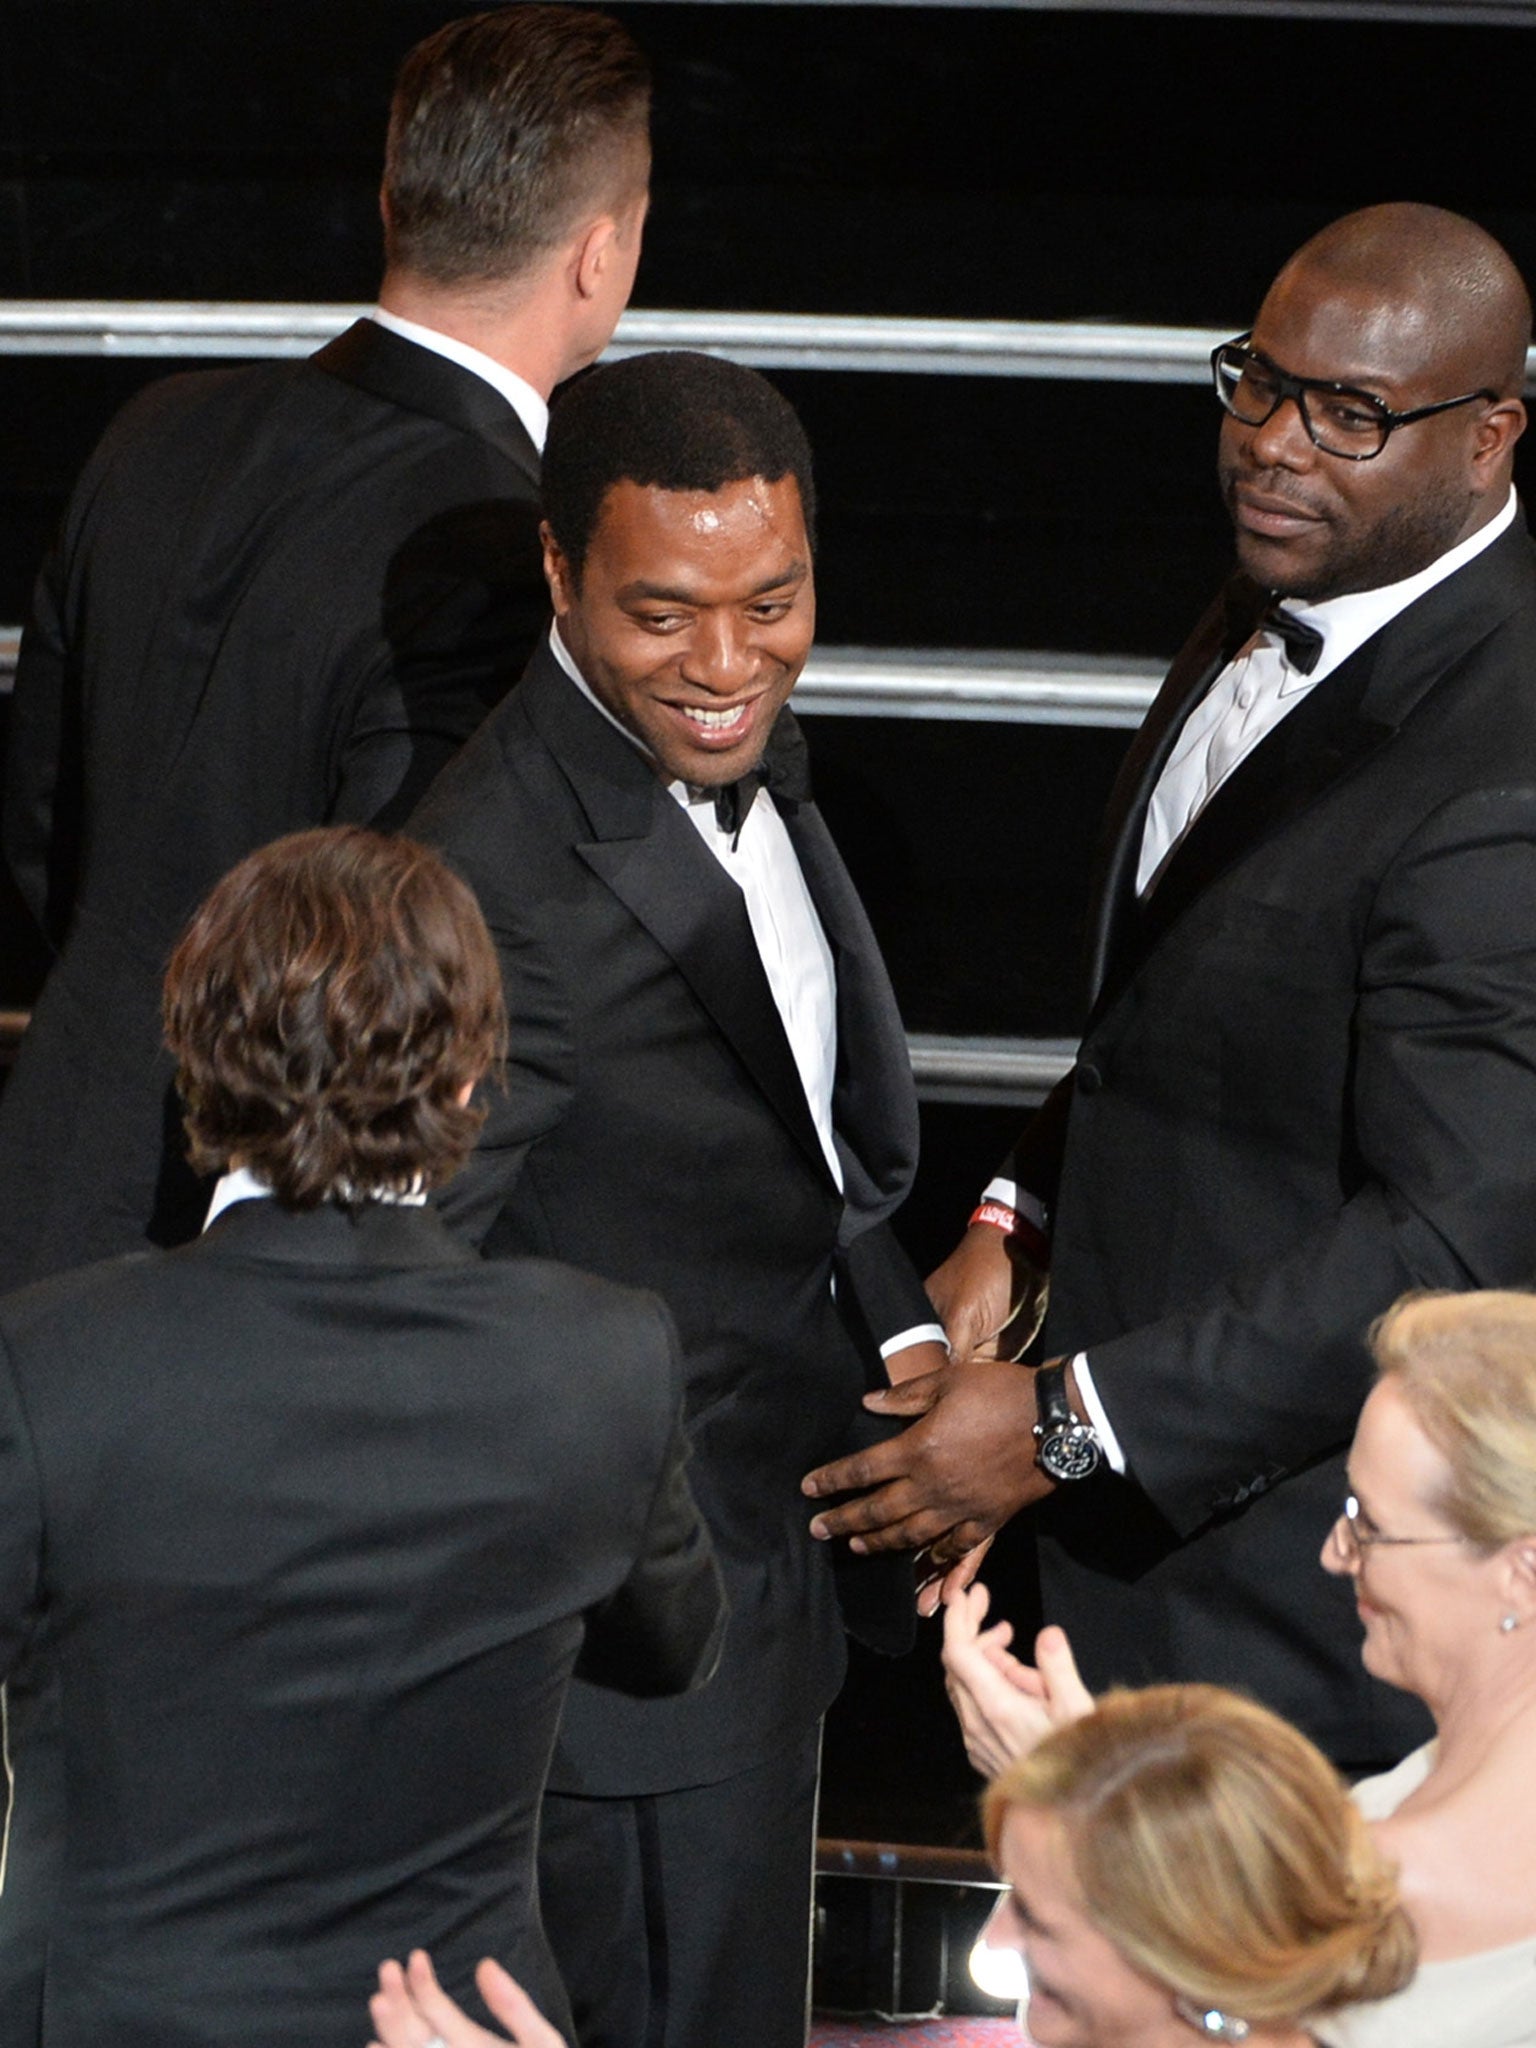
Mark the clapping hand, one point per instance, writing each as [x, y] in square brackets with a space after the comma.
[411, 2009]
[1005, 1706]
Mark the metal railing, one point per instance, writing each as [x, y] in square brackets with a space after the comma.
[898, 682]
[785, 341]
[1017, 1071]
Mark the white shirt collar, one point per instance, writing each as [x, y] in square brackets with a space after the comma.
[1347, 622]
[241, 1185]
[530, 407]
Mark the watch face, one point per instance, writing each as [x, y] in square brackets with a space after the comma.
[1070, 1453]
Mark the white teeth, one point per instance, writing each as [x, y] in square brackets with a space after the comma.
[715, 720]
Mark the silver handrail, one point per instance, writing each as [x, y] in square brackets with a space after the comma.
[798, 341]
[1001, 688]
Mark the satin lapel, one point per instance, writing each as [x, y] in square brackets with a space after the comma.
[1114, 886]
[874, 1106]
[418, 380]
[651, 858]
[1322, 739]
[1337, 726]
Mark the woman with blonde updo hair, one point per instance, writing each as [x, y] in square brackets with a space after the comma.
[1438, 1534]
[1183, 1863]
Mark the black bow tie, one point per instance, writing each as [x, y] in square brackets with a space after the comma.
[1303, 643]
[784, 770]
[733, 800]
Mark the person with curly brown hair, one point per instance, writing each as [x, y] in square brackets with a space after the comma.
[309, 1506]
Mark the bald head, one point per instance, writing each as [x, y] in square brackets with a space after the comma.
[1421, 316]
[1445, 276]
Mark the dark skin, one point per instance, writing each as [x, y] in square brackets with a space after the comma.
[1414, 306]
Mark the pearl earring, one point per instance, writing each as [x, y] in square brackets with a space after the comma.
[1509, 1624]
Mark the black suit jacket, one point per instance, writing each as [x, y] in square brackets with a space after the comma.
[319, 1510]
[655, 1130]
[281, 596]
[1308, 1083]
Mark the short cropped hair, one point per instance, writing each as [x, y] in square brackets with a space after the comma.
[1219, 1852]
[505, 128]
[674, 420]
[326, 1006]
[1466, 1365]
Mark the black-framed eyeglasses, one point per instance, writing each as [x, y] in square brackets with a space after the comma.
[1339, 419]
[1357, 1532]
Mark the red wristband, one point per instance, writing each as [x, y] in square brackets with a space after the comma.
[1012, 1224]
[998, 1214]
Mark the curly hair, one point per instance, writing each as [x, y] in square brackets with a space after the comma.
[671, 419]
[328, 1006]
[505, 128]
[1218, 1851]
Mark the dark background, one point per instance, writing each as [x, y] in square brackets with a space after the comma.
[989, 163]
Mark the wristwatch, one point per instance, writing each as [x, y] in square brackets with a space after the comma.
[1067, 1449]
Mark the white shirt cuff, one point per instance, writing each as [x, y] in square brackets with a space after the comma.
[1088, 1393]
[920, 1333]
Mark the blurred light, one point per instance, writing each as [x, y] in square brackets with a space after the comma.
[999, 1972]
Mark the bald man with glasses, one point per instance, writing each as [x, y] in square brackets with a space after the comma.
[1308, 1076]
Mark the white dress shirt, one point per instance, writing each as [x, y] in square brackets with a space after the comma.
[1245, 703]
[1259, 686]
[531, 408]
[761, 860]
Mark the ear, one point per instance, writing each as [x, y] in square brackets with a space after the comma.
[1517, 1579]
[1497, 432]
[594, 253]
[557, 571]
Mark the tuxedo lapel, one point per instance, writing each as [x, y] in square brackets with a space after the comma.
[643, 849]
[1337, 726]
[417, 379]
[1114, 888]
[874, 1110]
[1310, 749]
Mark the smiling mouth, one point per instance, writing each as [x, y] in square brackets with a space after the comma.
[716, 721]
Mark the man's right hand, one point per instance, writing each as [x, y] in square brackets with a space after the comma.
[989, 1295]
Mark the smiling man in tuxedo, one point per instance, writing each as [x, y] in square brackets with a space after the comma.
[1308, 1077]
[709, 1087]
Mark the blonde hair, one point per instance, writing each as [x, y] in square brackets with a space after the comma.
[1466, 1365]
[1218, 1851]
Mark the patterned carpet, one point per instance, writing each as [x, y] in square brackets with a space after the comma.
[950, 2033]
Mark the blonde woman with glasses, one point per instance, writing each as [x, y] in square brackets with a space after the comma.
[1439, 1537]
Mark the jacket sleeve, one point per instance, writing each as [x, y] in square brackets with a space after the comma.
[885, 1284]
[464, 603]
[661, 1632]
[535, 1090]
[41, 804]
[1268, 1371]
[1035, 1161]
[21, 1522]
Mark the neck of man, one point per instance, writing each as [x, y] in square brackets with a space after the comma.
[517, 322]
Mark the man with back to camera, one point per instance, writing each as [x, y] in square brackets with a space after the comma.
[709, 1087]
[1308, 1078]
[323, 1509]
[285, 594]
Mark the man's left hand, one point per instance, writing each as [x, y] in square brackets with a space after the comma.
[949, 1481]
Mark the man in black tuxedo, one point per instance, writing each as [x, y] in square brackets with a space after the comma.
[1308, 1078]
[322, 1510]
[709, 1093]
[285, 594]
